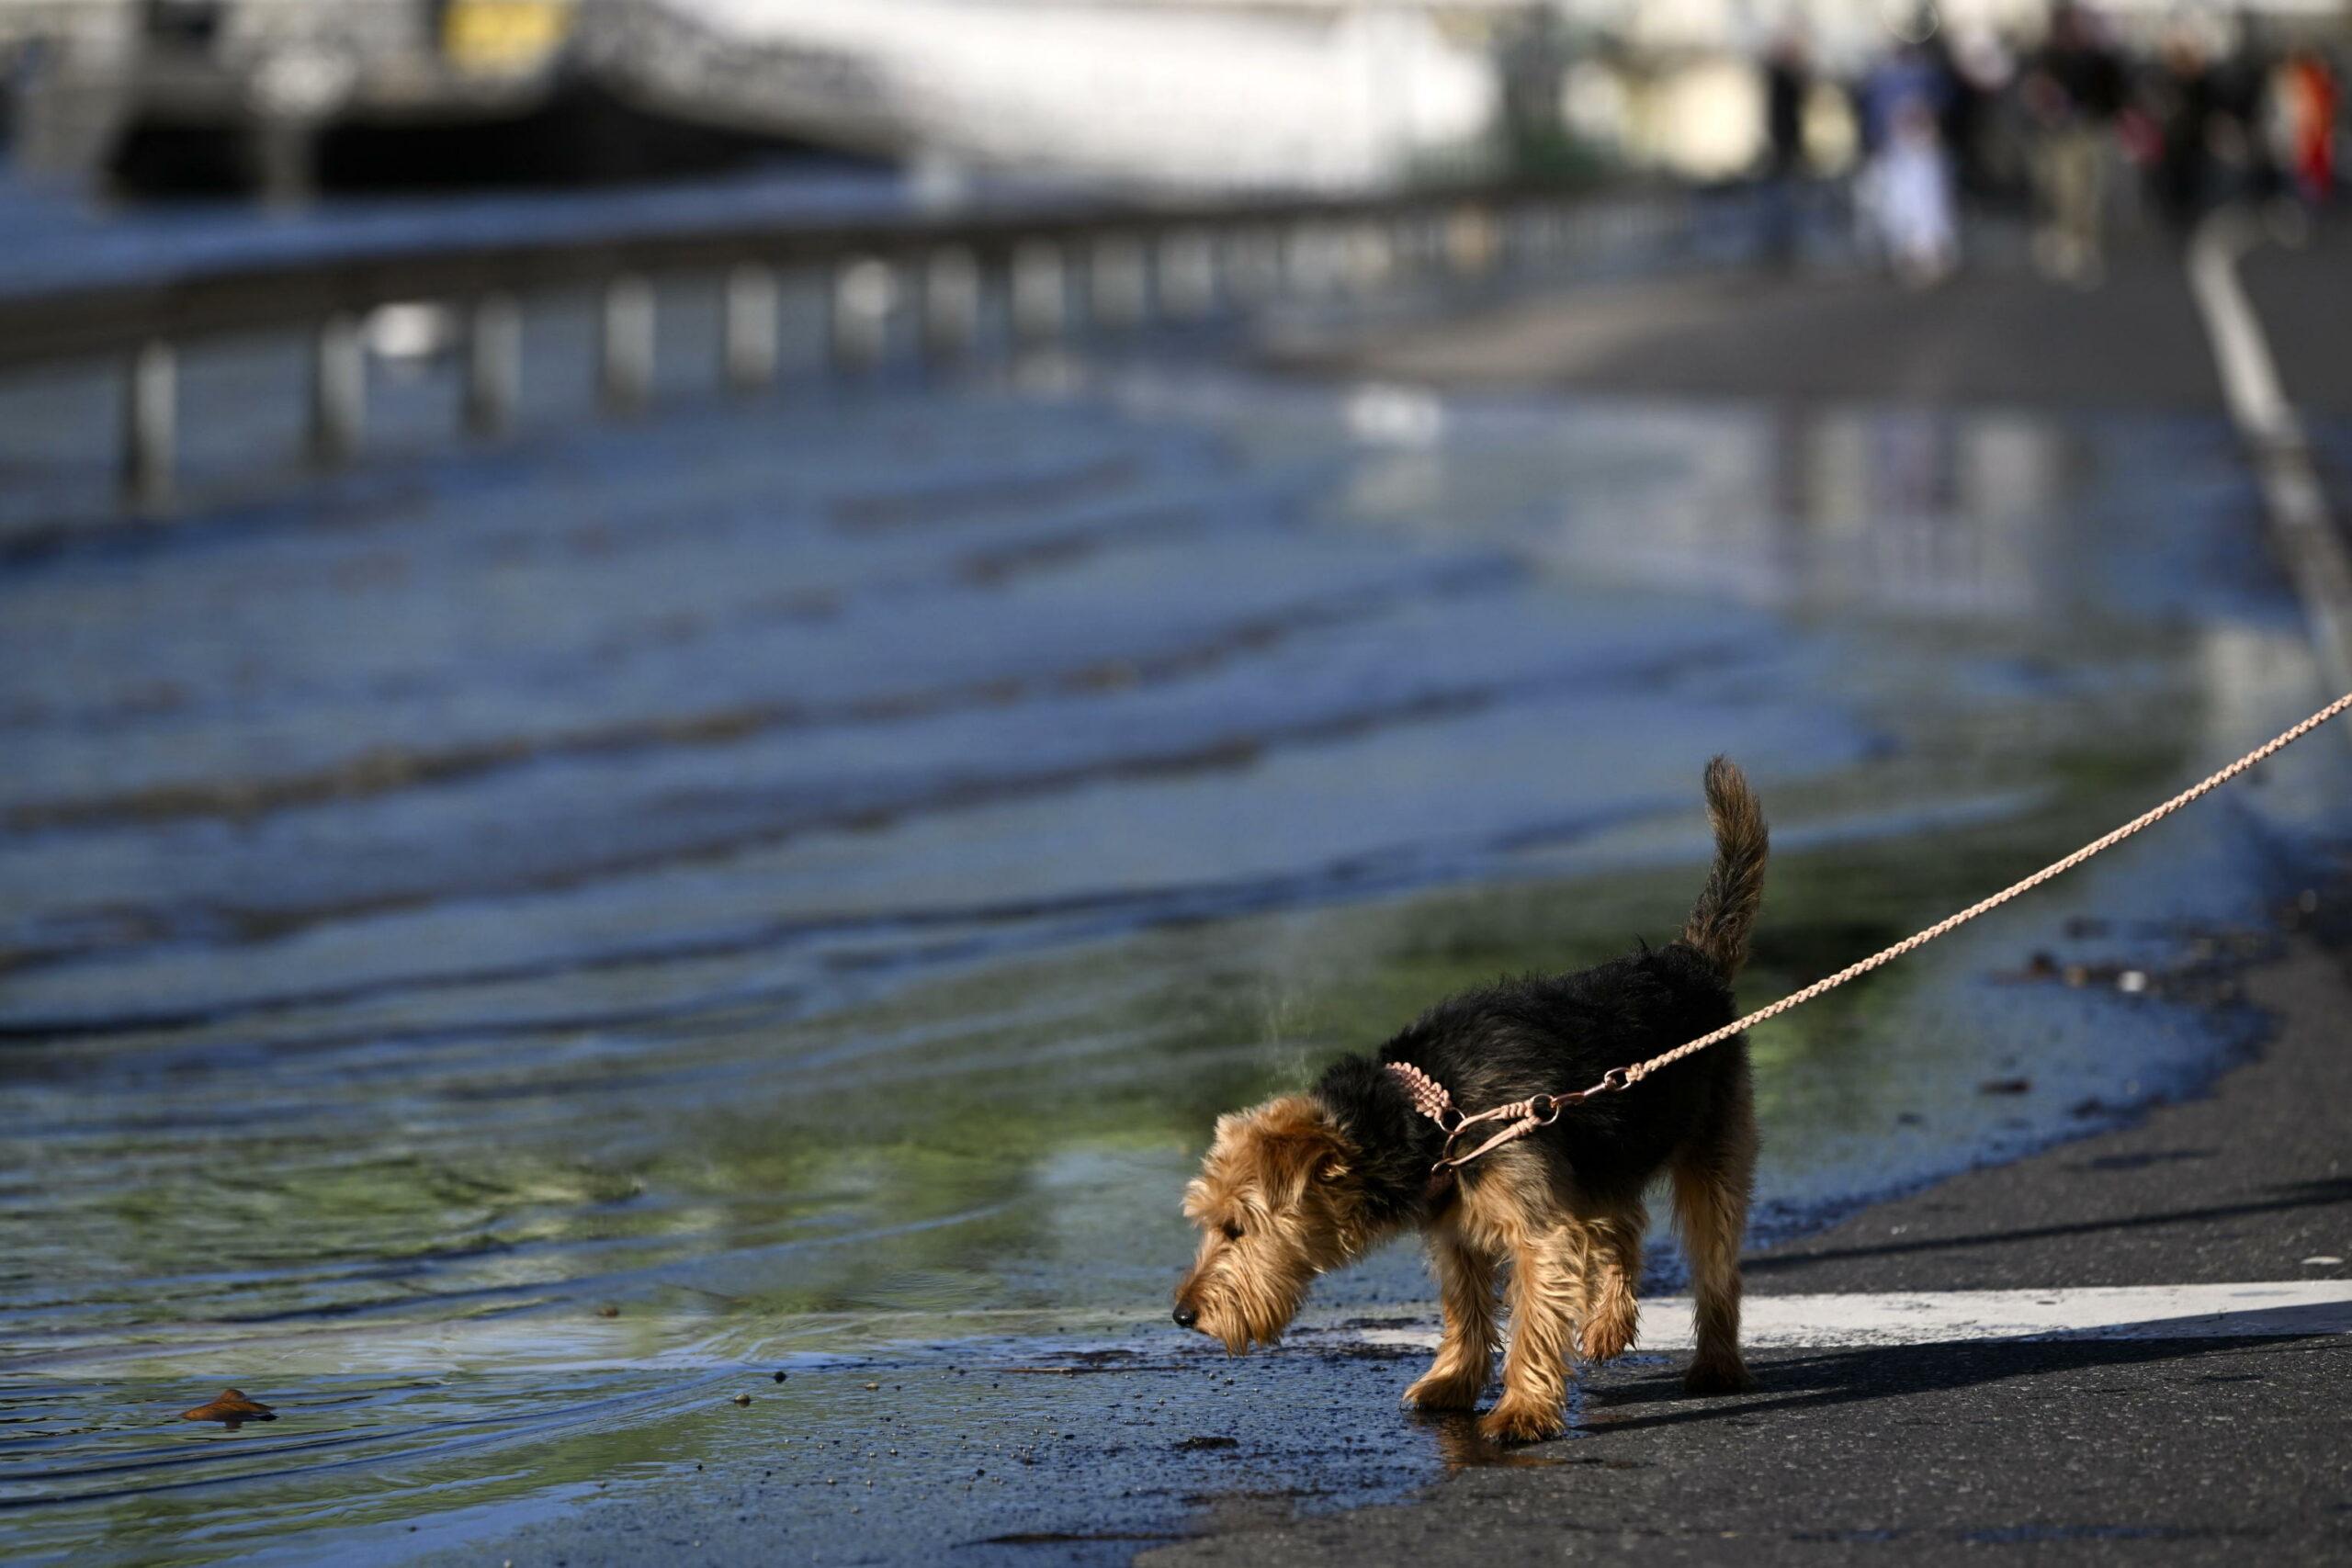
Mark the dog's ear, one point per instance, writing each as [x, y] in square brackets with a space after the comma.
[1298, 1144]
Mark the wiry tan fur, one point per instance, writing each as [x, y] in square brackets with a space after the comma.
[1274, 1210]
[1283, 1197]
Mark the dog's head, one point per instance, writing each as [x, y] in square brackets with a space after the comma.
[1278, 1201]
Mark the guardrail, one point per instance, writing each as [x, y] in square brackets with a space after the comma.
[1118, 267]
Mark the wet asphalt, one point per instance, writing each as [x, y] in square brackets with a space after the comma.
[2203, 1450]
[1991, 335]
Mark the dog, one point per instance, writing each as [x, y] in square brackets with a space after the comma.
[1306, 1183]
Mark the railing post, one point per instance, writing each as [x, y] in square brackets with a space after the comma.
[748, 327]
[1403, 251]
[1371, 259]
[1470, 242]
[863, 291]
[951, 303]
[1039, 285]
[1253, 264]
[1188, 275]
[626, 375]
[338, 389]
[1299, 258]
[1118, 283]
[149, 425]
[493, 365]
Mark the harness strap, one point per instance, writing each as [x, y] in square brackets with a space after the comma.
[1431, 1099]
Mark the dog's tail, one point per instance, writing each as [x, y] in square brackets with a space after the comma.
[1726, 907]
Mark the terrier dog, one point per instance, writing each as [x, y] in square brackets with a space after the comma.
[1307, 1182]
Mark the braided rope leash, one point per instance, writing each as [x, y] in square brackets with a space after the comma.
[1523, 1116]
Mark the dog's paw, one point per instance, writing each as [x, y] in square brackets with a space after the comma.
[1439, 1390]
[1522, 1421]
[1608, 1336]
[1714, 1376]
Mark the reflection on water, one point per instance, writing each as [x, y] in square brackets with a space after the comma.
[494, 974]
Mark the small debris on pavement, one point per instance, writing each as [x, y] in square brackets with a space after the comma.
[2005, 1085]
[2322, 1260]
[742, 1399]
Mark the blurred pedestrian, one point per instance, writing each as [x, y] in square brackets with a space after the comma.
[2073, 93]
[1980, 69]
[2184, 98]
[1905, 188]
[1788, 83]
[2314, 98]
[1909, 195]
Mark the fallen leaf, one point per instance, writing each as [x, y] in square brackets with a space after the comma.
[232, 1408]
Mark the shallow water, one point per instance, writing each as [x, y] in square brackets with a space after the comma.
[500, 954]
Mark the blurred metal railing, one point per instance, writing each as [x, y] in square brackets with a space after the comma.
[1118, 267]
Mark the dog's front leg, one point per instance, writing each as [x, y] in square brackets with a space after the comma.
[1466, 1278]
[1546, 1285]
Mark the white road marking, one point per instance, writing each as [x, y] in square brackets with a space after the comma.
[650, 1340]
[2279, 1309]
[2291, 493]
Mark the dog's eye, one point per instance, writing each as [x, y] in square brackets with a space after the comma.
[1232, 1231]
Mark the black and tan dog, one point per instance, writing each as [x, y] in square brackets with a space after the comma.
[1307, 1182]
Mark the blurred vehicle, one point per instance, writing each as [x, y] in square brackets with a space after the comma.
[1195, 93]
[254, 92]
[284, 95]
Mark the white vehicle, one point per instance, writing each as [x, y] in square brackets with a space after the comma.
[1191, 94]
[1194, 95]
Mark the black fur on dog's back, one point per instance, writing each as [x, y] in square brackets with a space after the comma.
[1538, 1035]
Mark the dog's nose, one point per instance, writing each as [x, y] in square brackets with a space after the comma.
[1185, 1317]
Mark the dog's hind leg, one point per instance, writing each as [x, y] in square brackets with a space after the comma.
[1611, 1313]
[1712, 1180]
[1465, 1277]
